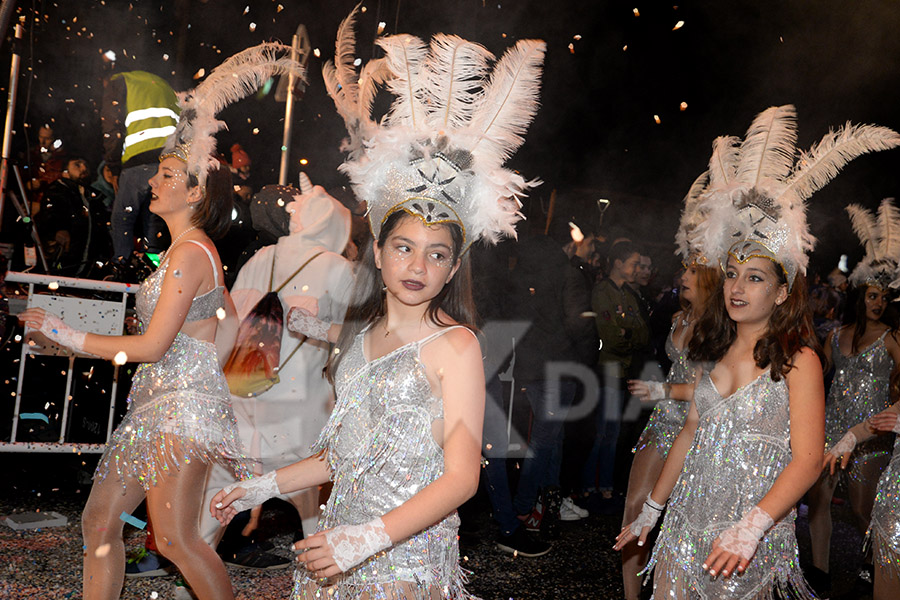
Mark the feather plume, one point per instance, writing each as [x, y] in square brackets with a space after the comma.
[405, 56]
[241, 75]
[769, 145]
[696, 190]
[889, 230]
[724, 161]
[345, 54]
[825, 159]
[864, 227]
[510, 102]
[455, 70]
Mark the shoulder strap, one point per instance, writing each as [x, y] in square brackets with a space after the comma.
[212, 260]
[441, 332]
[294, 274]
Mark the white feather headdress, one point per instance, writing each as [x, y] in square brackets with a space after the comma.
[194, 139]
[880, 236]
[755, 201]
[439, 152]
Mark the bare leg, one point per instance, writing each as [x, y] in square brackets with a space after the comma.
[101, 527]
[819, 497]
[862, 491]
[174, 503]
[887, 587]
[645, 470]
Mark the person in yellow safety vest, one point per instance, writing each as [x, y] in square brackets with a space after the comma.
[139, 111]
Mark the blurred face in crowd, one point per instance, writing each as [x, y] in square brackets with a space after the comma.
[45, 139]
[644, 271]
[689, 282]
[628, 268]
[77, 170]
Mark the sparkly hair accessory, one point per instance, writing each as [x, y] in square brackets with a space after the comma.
[881, 238]
[754, 204]
[194, 139]
[439, 152]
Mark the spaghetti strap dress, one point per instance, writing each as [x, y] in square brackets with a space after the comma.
[183, 397]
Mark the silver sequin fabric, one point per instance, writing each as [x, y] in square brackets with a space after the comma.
[859, 390]
[380, 447]
[179, 408]
[884, 529]
[668, 415]
[741, 446]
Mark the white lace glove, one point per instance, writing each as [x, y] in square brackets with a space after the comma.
[352, 544]
[64, 335]
[259, 489]
[896, 428]
[301, 321]
[657, 390]
[742, 538]
[649, 516]
[844, 446]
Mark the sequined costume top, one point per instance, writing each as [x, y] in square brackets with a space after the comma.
[884, 529]
[179, 407]
[858, 391]
[668, 415]
[742, 444]
[381, 450]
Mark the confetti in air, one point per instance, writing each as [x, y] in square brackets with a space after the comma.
[220, 313]
[678, 25]
[120, 358]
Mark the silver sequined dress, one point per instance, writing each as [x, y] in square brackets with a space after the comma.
[884, 529]
[668, 415]
[859, 390]
[381, 450]
[183, 398]
[742, 444]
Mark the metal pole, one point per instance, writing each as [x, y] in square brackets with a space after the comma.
[288, 117]
[10, 115]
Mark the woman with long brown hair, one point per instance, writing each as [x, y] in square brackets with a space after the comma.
[754, 432]
[698, 284]
[863, 352]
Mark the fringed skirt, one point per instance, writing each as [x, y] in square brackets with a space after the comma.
[679, 552]
[179, 411]
[665, 424]
[884, 529]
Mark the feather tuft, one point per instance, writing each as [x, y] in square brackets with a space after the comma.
[405, 57]
[769, 146]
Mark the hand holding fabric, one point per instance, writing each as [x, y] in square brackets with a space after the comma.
[842, 450]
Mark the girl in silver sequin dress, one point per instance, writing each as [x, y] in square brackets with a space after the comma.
[863, 353]
[402, 446]
[749, 447]
[179, 417]
[698, 283]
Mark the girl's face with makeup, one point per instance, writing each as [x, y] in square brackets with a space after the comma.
[752, 290]
[416, 261]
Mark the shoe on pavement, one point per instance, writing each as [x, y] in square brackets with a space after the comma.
[147, 564]
[569, 511]
[521, 543]
[258, 560]
[533, 521]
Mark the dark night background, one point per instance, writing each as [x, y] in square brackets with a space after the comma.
[595, 134]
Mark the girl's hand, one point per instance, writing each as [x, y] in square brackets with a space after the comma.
[334, 551]
[647, 391]
[641, 526]
[843, 450]
[53, 327]
[735, 546]
[885, 422]
[221, 504]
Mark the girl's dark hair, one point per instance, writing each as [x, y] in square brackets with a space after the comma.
[790, 329]
[857, 316]
[367, 303]
[709, 279]
[212, 213]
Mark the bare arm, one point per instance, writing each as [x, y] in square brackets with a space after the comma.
[826, 350]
